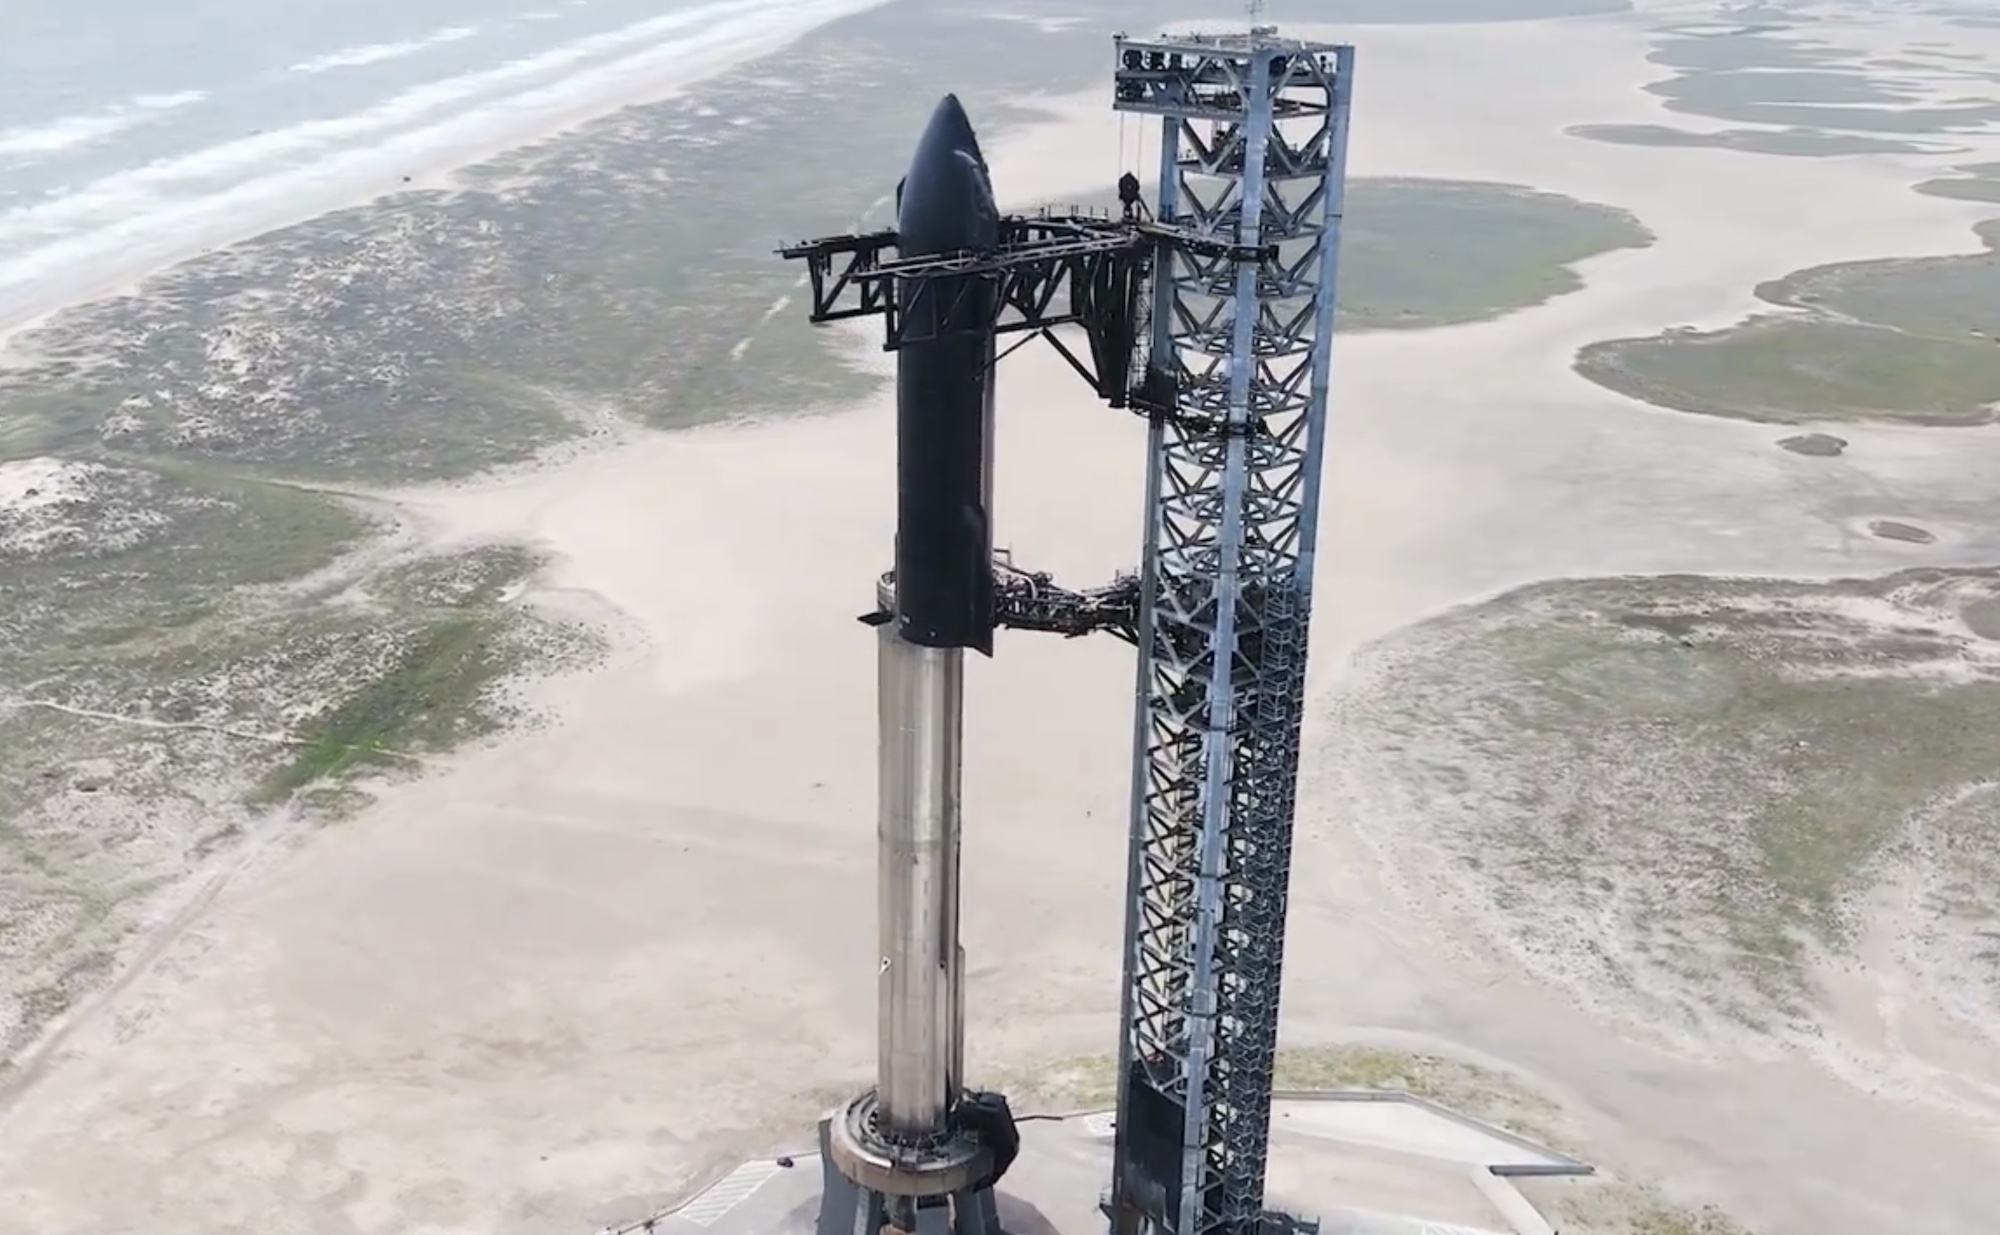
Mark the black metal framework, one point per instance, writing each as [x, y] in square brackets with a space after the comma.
[1051, 270]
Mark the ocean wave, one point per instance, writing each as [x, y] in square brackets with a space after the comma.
[376, 53]
[123, 225]
[116, 197]
[87, 128]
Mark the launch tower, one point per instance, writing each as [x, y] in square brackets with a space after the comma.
[1253, 148]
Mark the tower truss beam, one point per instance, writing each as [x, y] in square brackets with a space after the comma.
[1252, 159]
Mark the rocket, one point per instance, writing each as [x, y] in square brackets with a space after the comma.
[937, 603]
[921, 1152]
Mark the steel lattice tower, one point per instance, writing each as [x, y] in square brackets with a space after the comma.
[1253, 153]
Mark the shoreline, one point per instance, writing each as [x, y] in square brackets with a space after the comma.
[561, 915]
[555, 120]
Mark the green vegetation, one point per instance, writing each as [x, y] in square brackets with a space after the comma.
[128, 757]
[1791, 143]
[432, 335]
[1680, 790]
[434, 690]
[475, 578]
[1703, 92]
[1791, 370]
[1418, 253]
[1975, 182]
[1934, 297]
[1765, 48]
[427, 699]
[116, 552]
[1592, 1207]
[1915, 340]
[68, 892]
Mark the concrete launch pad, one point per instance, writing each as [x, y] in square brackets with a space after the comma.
[1364, 1162]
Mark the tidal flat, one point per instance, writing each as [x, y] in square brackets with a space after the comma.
[1680, 798]
[1811, 96]
[1912, 340]
[224, 629]
[175, 723]
[222, 632]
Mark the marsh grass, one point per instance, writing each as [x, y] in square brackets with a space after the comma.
[1673, 796]
[1788, 143]
[1914, 340]
[1598, 1207]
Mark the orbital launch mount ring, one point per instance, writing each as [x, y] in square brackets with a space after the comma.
[952, 1164]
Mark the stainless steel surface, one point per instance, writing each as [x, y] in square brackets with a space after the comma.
[921, 1009]
[955, 1032]
[941, 1165]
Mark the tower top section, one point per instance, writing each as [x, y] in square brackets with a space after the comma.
[1197, 75]
[1222, 43]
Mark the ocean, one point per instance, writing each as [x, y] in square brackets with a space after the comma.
[133, 132]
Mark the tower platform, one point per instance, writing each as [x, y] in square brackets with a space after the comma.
[1363, 1162]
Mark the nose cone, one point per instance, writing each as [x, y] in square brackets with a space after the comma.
[949, 124]
[947, 199]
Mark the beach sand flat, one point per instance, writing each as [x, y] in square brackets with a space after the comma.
[565, 976]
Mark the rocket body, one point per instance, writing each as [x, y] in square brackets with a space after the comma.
[944, 422]
[921, 1017]
[940, 603]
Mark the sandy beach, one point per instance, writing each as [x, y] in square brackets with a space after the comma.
[569, 972]
[114, 259]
